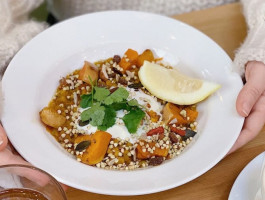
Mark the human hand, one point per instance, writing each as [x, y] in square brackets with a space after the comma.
[251, 103]
[8, 157]
[6, 154]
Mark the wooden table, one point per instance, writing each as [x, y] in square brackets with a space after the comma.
[227, 27]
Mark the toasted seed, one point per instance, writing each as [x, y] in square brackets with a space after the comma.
[189, 133]
[83, 145]
[135, 85]
[83, 123]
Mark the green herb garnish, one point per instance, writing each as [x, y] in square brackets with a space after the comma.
[133, 102]
[120, 106]
[86, 100]
[118, 96]
[109, 119]
[133, 119]
[101, 93]
[103, 106]
[95, 114]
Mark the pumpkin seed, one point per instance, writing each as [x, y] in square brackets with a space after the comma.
[83, 145]
[189, 133]
[81, 123]
[135, 85]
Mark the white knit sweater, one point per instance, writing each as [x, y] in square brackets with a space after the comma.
[253, 49]
[63, 9]
[16, 28]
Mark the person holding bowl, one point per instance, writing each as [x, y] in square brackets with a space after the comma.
[250, 58]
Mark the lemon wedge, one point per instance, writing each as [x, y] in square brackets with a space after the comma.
[172, 86]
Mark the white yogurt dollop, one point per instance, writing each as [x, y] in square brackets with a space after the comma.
[144, 99]
[119, 130]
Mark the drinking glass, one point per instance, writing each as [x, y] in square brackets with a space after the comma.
[28, 183]
[260, 195]
[262, 181]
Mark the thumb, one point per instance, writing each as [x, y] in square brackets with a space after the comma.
[255, 86]
[3, 138]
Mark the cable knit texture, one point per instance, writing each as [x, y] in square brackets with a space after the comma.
[63, 9]
[16, 28]
[254, 10]
[253, 49]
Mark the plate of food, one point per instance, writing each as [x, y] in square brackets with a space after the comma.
[122, 102]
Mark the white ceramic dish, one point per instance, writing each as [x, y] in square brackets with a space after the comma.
[32, 77]
[246, 186]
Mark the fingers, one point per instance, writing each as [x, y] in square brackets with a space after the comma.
[253, 124]
[8, 158]
[3, 138]
[255, 86]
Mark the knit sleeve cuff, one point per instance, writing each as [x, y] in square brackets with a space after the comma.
[254, 11]
[245, 55]
[253, 48]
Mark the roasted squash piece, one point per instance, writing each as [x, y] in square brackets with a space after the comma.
[81, 138]
[140, 154]
[146, 55]
[132, 55]
[51, 117]
[172, 111]
[97, 148]
[192, 114]
[88, 73]
[153, 116]
[128, 60]
[169, 112]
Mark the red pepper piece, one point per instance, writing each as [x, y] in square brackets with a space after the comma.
[178, 131]
[155, 131]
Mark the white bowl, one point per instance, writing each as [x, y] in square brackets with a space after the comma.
[33, 75]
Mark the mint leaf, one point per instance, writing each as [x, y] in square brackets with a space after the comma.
[86, 100]
[118, 96]
[101, 93]
[133, 102]
[109, 119]
[133, 119]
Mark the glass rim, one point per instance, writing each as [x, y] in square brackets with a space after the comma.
[40, 170]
